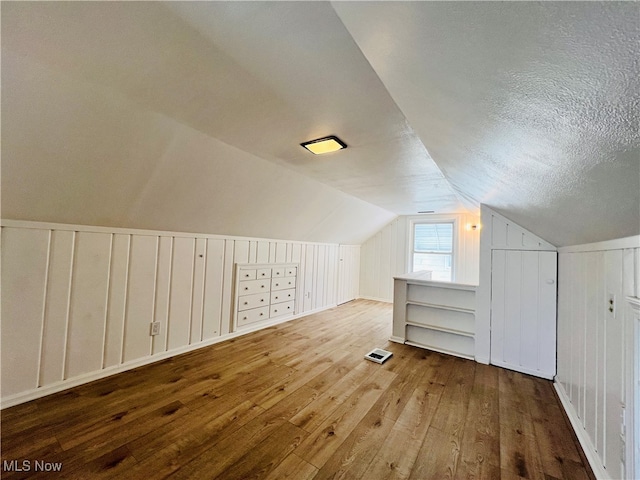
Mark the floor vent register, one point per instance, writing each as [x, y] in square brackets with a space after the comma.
[378, 355]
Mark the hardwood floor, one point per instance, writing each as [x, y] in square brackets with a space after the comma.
[299, 401]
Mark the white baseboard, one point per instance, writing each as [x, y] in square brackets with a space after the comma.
[483, 360]
[26, 396]
[587, 446]
[396, 339]
[376, 299]
[521, 369]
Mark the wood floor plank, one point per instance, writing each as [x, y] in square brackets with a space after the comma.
[299, 401]
[226, 452]
[480, 449]
[519, 453]
[333, 432]
[393, 401]
[293, 468]
[303, 372]
[398, 454]
[195, 430]
[269, 453]
[314, 414]
[438, 456]
[355, 454]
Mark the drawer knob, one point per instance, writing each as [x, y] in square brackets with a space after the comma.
[246, 303]
[244, 318]
[261, 314]
[262, 299]
[246, 288]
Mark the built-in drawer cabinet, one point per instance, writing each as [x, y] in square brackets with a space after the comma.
[252, 316]
[280, 296]
[263, 273]
[283, 283]
[256, 300]
[264, 292]
[249, 274]
[254, 286]
[281, 309]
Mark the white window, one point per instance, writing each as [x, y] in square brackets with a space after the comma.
[432, 249]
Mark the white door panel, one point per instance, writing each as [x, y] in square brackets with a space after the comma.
[523, 311]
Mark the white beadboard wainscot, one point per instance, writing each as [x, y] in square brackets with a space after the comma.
[78, 301]
[386, 254]
[595, 348]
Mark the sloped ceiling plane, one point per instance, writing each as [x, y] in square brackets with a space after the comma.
[188, 116]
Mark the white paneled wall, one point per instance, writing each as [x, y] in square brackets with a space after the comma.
[386, 255]
[498, 233]
[593, 356]
[77, 301]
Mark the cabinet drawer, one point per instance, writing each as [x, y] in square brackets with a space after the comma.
[247, 274]
[291, 272]
[263, 273]
[253, 315]
[282, 309]
[283, 283]
[278, 272]
[280, 296]
[253, 286]
[245, 302]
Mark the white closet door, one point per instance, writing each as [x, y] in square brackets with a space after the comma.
[348, 273]
[523, 311]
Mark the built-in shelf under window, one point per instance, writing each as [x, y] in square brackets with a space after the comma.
[438, 316]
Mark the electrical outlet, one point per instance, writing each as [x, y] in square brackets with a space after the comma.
[155, 328]
[611, 304]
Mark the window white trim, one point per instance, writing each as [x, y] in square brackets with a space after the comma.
[434, 219]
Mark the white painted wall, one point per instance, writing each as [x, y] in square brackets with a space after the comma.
[77, 301]
[594, 355]
[386, 254]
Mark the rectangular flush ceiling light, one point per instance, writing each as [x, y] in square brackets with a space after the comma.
[324, 145]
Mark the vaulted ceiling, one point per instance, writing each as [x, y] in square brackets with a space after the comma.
[188, 116]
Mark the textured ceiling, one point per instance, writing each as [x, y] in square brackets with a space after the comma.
[530, 107]
[188, 115]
